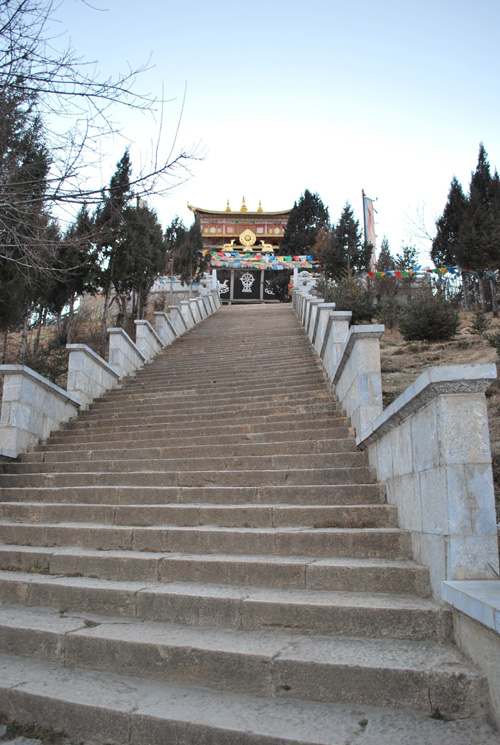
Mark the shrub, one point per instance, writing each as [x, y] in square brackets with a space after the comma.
[388, 311]
[494, 341]
[429, 318]
[348, 294]
[481, 323]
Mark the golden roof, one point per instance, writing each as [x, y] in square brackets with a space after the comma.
[243, 211]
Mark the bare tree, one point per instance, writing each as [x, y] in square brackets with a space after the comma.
[72, 107]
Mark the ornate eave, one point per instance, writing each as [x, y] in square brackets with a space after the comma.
[237, 213]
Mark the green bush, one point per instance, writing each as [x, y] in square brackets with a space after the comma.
[348, 294]
[388, 311]
[429, 318]
[481, 323]
[494, 341]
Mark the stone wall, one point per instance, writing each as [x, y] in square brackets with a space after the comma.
[430, 447]
[33, 407]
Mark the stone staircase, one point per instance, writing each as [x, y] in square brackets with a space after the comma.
[203, 558]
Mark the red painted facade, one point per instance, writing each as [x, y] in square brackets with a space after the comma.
[219, 229]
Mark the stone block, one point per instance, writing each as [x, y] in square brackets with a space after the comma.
[433, 497]
[471, 557]
[463, 428]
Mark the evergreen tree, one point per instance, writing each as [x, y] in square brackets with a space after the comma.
[479, 243]
[479, 238]
[445, 246]
[308, 216]
[175, 235]
[385, 286]
[406, 261]
[140, 256]
[25, 240]
[79, 261]
[190, 262]
[109, 228]
[345, 253]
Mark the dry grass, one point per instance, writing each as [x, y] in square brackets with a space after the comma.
[402, 362]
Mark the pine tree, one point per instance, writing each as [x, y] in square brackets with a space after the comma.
[140, 256]
[479, 244]
[190, 262]
[445, 246]
[479, 239]
[308, 216]
[385, 286]
[109, 227]
[25, 241]
[345, 253]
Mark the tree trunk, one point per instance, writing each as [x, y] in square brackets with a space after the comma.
[494, 304]
[24, 338]
[465, 287]
[69, 333]
[104, 322]
[38, 330]
[481, 291]
[4, 351]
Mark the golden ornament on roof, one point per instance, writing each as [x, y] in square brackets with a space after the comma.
[243, 206]
[260, 207]
[228, 208]
[247, 238]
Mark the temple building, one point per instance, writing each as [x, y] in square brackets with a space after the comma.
[244, 249]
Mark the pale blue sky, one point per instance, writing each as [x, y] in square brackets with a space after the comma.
[391, 97]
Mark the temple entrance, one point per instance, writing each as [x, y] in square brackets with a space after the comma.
[245, 286]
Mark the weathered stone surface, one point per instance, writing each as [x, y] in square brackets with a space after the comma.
[212, 562]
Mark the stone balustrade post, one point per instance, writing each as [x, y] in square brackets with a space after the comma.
[321, 325]
[89, 376]
[195, 311]
[201, 308]
[147, 340]
[124, 355]
[315, 303]
[165, 328]
[187, 313]
[336, 331]
[178, 320]
[32, 408]
[357, 380]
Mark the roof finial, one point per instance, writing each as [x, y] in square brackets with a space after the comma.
[243, 206]
[260, 207]
[228, 208]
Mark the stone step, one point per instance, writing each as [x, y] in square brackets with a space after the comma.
[185, 398]
[172, 428]
[181, 390]
[289, 610]
[244, 381]
[280, 414]
[193, 364]
[284, 494]
[234, 477]
[189, 515]
[193, 463]
[285, 541]
[218, 449]
[340, 670]
[228, 402]
[218, 434]
[108, 708]
[341, 574]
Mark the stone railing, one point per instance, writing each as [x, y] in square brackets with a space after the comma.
[430, 447]
[431, 450]
[33, 407]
